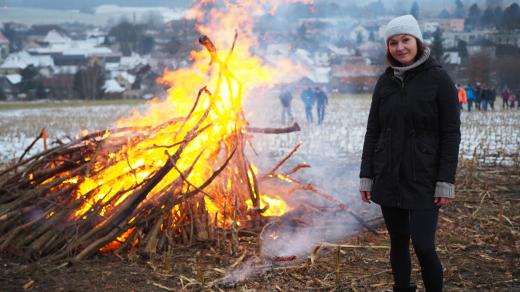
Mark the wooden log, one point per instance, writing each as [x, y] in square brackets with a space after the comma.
[42, 133]
[151, 240]
[293, 128]
[48, 224]
[96, 245]
[30, 195]
[5, 240]
[125, 210]
[279, 164]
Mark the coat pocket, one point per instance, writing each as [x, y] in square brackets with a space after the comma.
[426, 162]
[379, 158]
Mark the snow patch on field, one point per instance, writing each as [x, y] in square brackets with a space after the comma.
[19, 128]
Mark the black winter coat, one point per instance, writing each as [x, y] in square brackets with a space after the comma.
[413, 136]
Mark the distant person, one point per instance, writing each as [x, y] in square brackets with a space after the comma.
[505, 98]
[410, 153]
[478, 91]
[484, 98]
[309, 99]
[512, 100]
[463, 99]
[286, 99]
[492, 97]
[321, 103]
[471, 96]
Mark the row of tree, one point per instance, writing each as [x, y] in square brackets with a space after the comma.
[88, 83]
[508, 18]
[501, 70]
[492, 16]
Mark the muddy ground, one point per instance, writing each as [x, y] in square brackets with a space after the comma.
[478, 242]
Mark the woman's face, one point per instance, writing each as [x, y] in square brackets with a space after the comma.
[403, 48]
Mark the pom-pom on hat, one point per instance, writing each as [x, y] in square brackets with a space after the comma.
[405, 24]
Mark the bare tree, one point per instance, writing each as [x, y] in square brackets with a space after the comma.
[479, 68]
[508, 70]
[88, 82]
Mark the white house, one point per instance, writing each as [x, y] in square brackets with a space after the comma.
[452, 58]
[429, 26]
[54, 37]
[16, 62]
[112, 86]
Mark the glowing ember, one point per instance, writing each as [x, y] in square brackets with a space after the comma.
[273, 205]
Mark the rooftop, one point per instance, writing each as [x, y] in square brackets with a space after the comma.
[3, 39]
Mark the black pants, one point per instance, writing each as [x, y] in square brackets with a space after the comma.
[420, 226]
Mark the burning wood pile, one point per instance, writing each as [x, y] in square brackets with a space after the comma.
[144, 188]
[175, 174]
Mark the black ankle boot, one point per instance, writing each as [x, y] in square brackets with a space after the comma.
[411, 288]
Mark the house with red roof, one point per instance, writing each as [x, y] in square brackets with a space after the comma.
[357, 77]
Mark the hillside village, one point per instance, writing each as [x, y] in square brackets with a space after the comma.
[344, 53]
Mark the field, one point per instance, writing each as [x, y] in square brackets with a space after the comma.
[478, 238]
[20, 123]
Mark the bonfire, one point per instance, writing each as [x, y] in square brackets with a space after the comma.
[173, 175]
[140, 187]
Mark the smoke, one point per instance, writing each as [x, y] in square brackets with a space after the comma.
[298, 237]
[247, 269]
[289, 240]
[333, 152]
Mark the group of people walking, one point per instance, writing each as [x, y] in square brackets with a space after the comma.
[311, 96]
[483, 96]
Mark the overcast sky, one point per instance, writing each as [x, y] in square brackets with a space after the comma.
[427, 4]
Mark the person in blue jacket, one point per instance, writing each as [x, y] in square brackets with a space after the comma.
[309, 99]
[285, 99]
[321, 103]
[471, 95]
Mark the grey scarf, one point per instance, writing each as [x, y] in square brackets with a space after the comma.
[400, 71]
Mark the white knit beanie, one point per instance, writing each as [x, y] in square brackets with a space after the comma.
[405, 24]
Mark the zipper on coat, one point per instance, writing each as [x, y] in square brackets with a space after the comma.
[401, 82]
[414, 147]
[389, 148]
[412, 131]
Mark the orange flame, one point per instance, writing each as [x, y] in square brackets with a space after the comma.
[115, 174]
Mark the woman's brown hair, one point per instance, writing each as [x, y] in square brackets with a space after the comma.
[420, 51]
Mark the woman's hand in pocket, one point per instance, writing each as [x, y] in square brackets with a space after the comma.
[441, 201]
[366, 196]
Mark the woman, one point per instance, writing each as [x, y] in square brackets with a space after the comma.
[411, 150]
